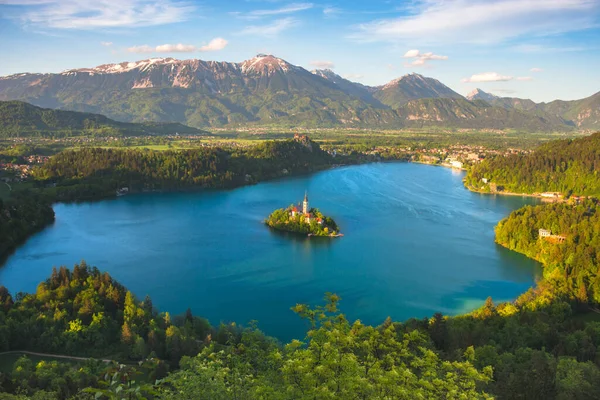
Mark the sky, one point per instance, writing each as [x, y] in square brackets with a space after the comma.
[538, 49]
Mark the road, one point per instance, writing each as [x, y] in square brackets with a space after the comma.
[32, 353]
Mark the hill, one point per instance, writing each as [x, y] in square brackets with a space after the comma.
[461, 113]
[566, 166]
[19, 119]
[266, 90]
[583, 114]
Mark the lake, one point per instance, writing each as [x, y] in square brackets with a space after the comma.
[416, 242]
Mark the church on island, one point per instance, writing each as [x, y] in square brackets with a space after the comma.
[304, 220]
[308, 216]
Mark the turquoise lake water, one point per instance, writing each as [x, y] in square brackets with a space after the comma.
[416, 242]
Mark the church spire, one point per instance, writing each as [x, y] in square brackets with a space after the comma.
[305, 203]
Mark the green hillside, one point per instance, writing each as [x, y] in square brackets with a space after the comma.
[20, 119]
[566, 166]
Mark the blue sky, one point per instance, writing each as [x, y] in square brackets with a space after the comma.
[538, 49]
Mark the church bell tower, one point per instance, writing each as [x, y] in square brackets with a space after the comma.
[305, 204]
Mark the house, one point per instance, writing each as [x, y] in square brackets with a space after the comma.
[456, 164]
[544, 233]
[547, 234]
[553, 195]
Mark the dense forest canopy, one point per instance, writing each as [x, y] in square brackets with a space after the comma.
[21, 216]
[535, 348]
[566, 166]
[95, 172]
[574, 265]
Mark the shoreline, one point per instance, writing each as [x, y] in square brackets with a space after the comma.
[285, 232]
[531, 195]
[537, 196]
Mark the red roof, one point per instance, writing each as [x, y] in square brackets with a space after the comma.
[294, 208]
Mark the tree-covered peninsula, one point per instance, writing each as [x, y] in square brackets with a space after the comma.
[22, 215]
[569, 166]
[93, 173]
[303, 220]
[565, 238]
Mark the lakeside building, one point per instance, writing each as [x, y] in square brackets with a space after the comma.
[547, 234]
[552, 195]
[456, 164]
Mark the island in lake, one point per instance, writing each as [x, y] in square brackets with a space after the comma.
[303, 220]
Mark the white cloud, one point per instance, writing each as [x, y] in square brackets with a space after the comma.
[322, 64]
[411, 54]
[536, 70]
[331, 11]
[175, 48]
[141, 49]
[257, 14]
[213, 45]
[107, 44]
[524, 78]
[481, 21]
[272, 29]
[291, 8]
[84, 14]
[422, 58]
[488, 77]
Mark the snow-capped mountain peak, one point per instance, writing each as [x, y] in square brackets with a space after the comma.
[265, 63]
[479, 94]
[125, 66]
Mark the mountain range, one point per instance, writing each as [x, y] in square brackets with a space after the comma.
[266, 90]
[583, 114]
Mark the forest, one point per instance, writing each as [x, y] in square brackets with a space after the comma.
[22, 215]
[542, 346]
[573, 265]
[571, 167]
[91, 173]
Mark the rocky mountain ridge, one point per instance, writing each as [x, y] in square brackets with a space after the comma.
[267, 90]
